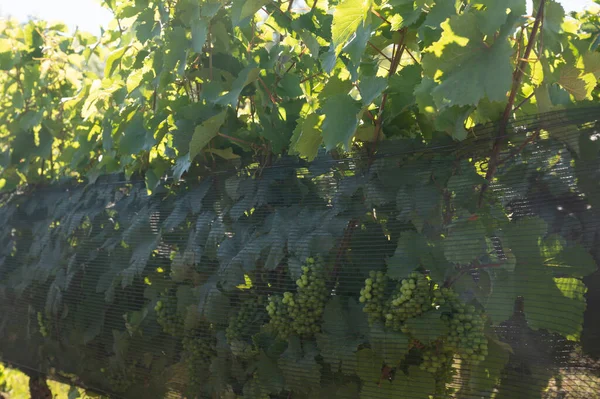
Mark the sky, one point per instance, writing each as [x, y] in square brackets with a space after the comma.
[89, 15]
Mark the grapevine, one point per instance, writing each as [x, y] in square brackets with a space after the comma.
[244, 134]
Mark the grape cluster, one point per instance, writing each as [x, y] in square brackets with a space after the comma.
[300, 312]
[42, 324]
[412, 298]
[438, 360]
[167, 316]
[467, 337]
[200, 349]
[372, 295]
[248, 318]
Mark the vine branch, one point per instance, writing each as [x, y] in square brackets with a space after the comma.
[508, 110]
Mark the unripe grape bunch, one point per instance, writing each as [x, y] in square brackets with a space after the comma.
[248, 319]
[167, 316]
[301, 312]
[373, 295]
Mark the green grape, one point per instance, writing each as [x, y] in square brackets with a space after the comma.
[412, 298]
[372, 295]
[300, 312]
[438, 361]
[280, 320]
[467, 337]
[306, 307]
[247, 320]
[167, 316]
[199, 348]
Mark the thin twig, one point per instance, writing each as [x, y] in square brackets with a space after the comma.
[381, 16]
[412, 56]
[380, 52]
[399, 49]
[524, 101]
[517, 77]
[271, 97]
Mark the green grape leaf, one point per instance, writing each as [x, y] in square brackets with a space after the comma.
[245, 77]
[465, 241]
[485, 375]
[347, 17]
[307, 139]
[300, 370]
[344, 329]
[341, 120]
[114, 60]
[392, 346]
[135, 137]
[368, 366]
[573, 261]
[494, 14]
[577, 84]
[591, 63]
[420, 384]
[269, 377]
[500, 303]
[244, 9]
[199, 34]
[371, 87]
[205, 132]
[213, 303]
[470, 68]
[407, 257]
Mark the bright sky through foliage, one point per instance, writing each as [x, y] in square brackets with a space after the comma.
[89, 15]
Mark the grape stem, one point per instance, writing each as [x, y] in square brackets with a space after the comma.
[508, 110]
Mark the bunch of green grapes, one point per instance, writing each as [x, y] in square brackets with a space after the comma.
[167, 316]
[42, 324]
[372, 295]
[412, 298]
[199, 348]
[246, 320]
[300, 312]
[306, 307]
[438, 360]
[280, 319]
[467, 336]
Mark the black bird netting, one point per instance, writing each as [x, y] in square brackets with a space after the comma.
[399, 275]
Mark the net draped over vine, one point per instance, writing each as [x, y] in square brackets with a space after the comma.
[400, 275]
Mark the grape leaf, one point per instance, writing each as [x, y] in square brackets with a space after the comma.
[243, 9]
[307, 139]
[417, 384]
[199, 34]
[205, 132]
[340, 121]
[392, 346]
[573, 261]
[344, 329]
[494, 13]
[368, 366]
[371, 87]
[470, 69]
[407, 257]
[465, 241]
[485, 375]
[347, 17]
[300, 370]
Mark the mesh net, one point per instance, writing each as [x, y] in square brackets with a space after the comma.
[399, 275]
